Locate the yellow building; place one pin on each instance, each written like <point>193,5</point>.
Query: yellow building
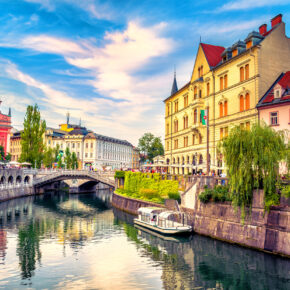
<point>135,158</point>
<point>15,146</point>
<point>228,83</point>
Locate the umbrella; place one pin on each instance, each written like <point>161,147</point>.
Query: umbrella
<point>25,163</point>
<point>14,163</point>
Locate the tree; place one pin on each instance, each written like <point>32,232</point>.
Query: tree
<point>252,157</point>
<point>48,157</point>
<point>68,158</point>
<point>4,157</point>
<point>74,161</point>
<point>32,137</point>
<point>150,146</point>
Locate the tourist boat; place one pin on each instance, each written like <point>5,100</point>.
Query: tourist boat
<point>160,220</point>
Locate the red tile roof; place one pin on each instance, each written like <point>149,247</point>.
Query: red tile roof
<point>284,82</point>
<point>212,53</point>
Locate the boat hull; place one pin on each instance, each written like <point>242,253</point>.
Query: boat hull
<point>164,231</point>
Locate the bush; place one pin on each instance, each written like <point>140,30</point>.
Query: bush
<point>174,195</point>
<point>218,194</point>
<point>119,174</point>
<point>205,196</point>
<point>149,193</point>
<point>285,190</point>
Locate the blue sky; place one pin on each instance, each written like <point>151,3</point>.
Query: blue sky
<point>110,63</point>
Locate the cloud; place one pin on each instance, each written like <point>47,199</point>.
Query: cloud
<point>250,4</point>
<point>45,4</point>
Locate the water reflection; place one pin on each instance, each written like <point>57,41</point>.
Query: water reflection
<point>82,242</point>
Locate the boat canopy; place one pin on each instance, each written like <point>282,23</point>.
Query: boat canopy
<point>150,210</point>
<point>166,214</point>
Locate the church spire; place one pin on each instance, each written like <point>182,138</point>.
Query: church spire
<point>174,85</point>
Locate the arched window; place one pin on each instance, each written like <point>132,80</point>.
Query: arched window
<point>200,94</point>
<point>207,89</point>
<point>195,116</point>
<point>185,122</point>
<point>225,108</point>
<point>173,160</point>
<point>195,92</point>
<point>193,160</point>
<point>187,159</point>
<point>242,103</point>
<point>177,160</point>
<point>200,159</point>
<point>221,83</point>
<point>200,139</point>
<point>247,73</point>
<point>225,81</point>
<point>242,75</point>
<point>247,101</point>
<point>221,110</point>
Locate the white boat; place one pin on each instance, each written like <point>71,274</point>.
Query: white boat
<point>160,220</point>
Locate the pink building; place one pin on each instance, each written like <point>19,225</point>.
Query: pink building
<point>5,130</point>
<point>274,106</point>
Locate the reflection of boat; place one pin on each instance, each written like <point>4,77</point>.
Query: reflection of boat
<point>159,220</point>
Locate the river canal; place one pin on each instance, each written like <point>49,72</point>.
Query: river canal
<point>64,241</point>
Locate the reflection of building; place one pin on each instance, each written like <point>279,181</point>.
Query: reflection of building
<point>3,245</point>
<point>5,128</point>
<point>228,82</point>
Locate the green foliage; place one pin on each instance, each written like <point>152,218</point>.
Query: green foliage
<point>285,190</point>
<point>150,146</point>
<point>48,157</point>
<point>149,193</point>
<point>119,174</point>
<point>68,159</point>
<point>218,194</point>
<point>136,182</point>
<point>74,161</point>
<point>2,155</point>
<point>174,195</point>
<point>32,137</point>
<point>252,157</point>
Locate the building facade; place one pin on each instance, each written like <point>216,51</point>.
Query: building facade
<point>135,158</point>
<point>5,130</point>
<point>225,86</point>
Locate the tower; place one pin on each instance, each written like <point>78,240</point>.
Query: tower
<point>67,117</point>
<point>174,85</point>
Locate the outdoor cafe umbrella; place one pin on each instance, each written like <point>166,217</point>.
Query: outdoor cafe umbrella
<point>14,163</point>
<point>25,163</point>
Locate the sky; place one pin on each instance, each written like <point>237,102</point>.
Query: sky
<point>111,63</point>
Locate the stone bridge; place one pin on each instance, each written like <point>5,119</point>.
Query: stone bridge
<point>14,177</point>
<point>63,175</point>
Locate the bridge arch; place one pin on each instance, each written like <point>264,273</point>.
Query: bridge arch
<point>26,179</point>
<point>10,179</point>
<point>2,180</point>
<point>18,179</point>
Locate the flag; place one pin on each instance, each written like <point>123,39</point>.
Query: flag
<point>203,117</point>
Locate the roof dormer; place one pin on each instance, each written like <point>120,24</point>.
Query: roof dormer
<point>238,48</point>
<point>253,38</point>
<point>227,54</point>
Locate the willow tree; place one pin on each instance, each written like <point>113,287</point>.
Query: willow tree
<point>32,142</point>
<point>252,157</point>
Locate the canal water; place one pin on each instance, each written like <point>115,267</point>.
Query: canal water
<point>64,241</point>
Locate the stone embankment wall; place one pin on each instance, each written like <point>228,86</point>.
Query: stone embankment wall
<point>267,231</point>
<point>130,205</point>
<point>11,193</point>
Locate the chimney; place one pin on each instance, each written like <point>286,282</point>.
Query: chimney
<point>276,20</point>
<point>263,29</point>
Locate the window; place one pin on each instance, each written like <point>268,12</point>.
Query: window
<point>87,145</point>
<point>168,109</point>
<point>241,103</point>
<point>185,122</point>
<point>247,101</point>
<point>185,140</point>
<point>195,116</point>
<point>221,133</point>
<point>176,144</point>
<point>247,73</point>
<point>207,89</point>
<point>195,93</point>
<point>242,125</point>
<point>167,129</point>
<point>193,139</point>
<point>274,118</point>
<point>235,52</point>
<point>248,125</point>
<point>176,106</point>
<point>185,100</point>
<point>242,74</point>
<point>225,81</point>
<point>277,94</point>
<point>225,108</point>
<point>201,71</point>
<point>92,145</point>
<point>91,155</point>
<point>86,155</point>
<point>249,44</point>
<point>221,83</point>
<point>200,139</point>
<point>176,126</point>
<point>167,145</point>
<point>200,94</point>
<point>221,110</point>
<point>226,132</point>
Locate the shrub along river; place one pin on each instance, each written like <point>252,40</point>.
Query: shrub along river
<point>67,241</point>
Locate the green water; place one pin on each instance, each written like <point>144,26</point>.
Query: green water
<point>61,241</point>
